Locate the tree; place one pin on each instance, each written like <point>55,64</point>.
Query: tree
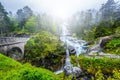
<point>46,22</point>
<point>23,15</point>
<point>5,24</point>
<point>27,12</point>
<point>81,22</point>
<point>108,10</point>
<point>31,25</point>
<point>20,18</point>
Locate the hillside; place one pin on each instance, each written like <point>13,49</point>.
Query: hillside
<point>13,70</point>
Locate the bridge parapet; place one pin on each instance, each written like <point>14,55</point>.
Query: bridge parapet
<point>4,40</point>
<point>21,39</point>
<point>8,40</point>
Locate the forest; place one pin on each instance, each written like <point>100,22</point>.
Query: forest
<point>86,46</point>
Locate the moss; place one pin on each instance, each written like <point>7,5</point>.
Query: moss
<point>8,63</point>
<point>12,70</point>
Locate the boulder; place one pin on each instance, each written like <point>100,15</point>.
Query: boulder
<point>70,70</point>
<point>98,48</point>
<point>77,71</point>
<point>72,51</point>
<point>95,48</point>
<point>103,40</point>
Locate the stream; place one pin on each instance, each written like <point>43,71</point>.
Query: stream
<point>73,46</point>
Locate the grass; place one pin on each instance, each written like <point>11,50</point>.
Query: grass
<point>13,70</point>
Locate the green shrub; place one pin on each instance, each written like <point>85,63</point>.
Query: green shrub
<point>42,45</point>
<point>92,65</point>
<point>99,67</point>
<point>104,28</point>
<point>103,31</point>
<point>28,72</point>
<point>113,46</point>
<point>117,31</point>
<point>99,75</point>
<point>116,74</point>
<point>44,49</point>
<point>12,70</point>
<point>89,35</point>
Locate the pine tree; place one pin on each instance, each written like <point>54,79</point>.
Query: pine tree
<point>4,21</point>
<point>23,15</point>
<point>108,10</point>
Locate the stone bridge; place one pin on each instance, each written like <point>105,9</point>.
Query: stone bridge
<point>13,46</point>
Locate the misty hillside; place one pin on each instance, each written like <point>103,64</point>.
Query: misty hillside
<point>60,40</point>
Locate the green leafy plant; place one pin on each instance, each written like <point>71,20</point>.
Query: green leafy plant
<point>113,46</point>
<point>12,70</point>
<point>44,48</point>
<point>92,65</point>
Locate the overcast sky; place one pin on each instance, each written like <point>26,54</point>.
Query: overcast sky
<point>58,7</point>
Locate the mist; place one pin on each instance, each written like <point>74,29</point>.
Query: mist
<point>58,8</point>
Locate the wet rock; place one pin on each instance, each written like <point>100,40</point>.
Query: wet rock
<point>87,43</point>
<point>94,49</point>
<point>70,70</point>
<point>72,51</point>
<point>93,53</point>
<point>97,49</point>
<point>86,78</point>
<point>101,53</point>
<point>77,71</point>
<point>104,40</point>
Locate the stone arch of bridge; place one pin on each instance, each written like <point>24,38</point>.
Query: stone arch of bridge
<point>15,53</point>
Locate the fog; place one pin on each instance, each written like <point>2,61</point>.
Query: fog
<point>60,8</point>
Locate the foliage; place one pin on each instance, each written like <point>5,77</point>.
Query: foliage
<point>109,10</point>
<point>7,63</point>
<point>117,31</point>
<point>99,75</point>
<point>43,48</point>
<point>63,77</point>
<point>46,22</point>
<point>30,25</point>
<point>5,24</point>
<point>113,46</point>
<point>92,24</point>
<point>104,29</point>
<point>12,70</point>
<point>23,15</point>
<point>42,44</point>
<point>116,74</point>
<point>92,65</point>
<point>99,67</point>
<point>27,22</point>
<point>89,35</point>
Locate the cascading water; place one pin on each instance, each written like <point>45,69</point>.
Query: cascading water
<point>67,62</point>
<point>76,46</point>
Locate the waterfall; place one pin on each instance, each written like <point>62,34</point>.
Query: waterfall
<point>67,62</point>
<point>77,46</point>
